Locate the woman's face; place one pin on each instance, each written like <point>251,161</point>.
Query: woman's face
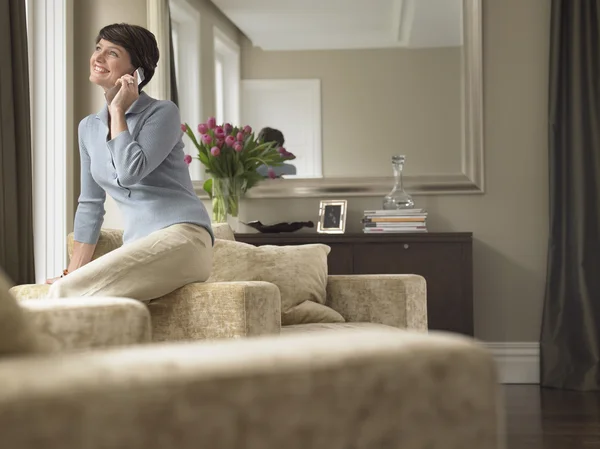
<point>108,63</point>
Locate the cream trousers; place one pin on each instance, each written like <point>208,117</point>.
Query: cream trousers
<point>145,269</point>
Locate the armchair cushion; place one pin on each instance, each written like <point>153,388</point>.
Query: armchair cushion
<point>320,327</point>
<point>17,335</point>
<point>300,273</point>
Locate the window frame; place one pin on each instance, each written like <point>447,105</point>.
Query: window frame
<point>187,20</point>
<point>229,54</point>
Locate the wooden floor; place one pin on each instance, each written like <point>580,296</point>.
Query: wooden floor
<point>551,419</point>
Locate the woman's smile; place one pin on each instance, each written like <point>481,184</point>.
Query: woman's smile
<point>99,69</point>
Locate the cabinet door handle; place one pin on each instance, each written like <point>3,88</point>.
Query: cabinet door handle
<point>406,246</point>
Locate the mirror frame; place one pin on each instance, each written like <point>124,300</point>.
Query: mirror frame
<point>470,180</point>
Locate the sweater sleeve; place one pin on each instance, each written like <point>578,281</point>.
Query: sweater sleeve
<point>136,159</point>
<point>90,210</point>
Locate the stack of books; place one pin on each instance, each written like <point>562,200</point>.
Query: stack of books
<point>394,221</point>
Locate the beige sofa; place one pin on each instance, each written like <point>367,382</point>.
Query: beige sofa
<point>324,390</point>
<point>252,308</point>
<point>361,389</point>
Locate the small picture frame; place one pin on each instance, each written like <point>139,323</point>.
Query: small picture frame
<point>332,217</point>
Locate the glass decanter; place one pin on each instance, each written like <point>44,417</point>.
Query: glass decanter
<point>398,198</point>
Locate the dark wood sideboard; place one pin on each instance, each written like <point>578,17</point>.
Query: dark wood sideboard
<point>444,259</point>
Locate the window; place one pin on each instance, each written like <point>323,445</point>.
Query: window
<point>292,106</point>
<point>185,32</point>
<point>175,36</point>
<point>227,78</point>
<point>219,89</point>
<point>50,40</point>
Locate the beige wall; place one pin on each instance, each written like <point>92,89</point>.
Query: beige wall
<point>377,103</point>
<point>89,17</point>
<point>509,222</point>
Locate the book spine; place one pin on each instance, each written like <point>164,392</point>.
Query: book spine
<point>394,220</point>
<point>395,212</point>
<point>393,231</point>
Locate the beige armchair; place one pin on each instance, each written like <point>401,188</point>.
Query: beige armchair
<point>252,308</point>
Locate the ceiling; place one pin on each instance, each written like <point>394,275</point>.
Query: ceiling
<point>346,24</point>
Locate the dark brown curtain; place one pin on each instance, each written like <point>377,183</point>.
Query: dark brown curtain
<point>570,336</point>
<point>16,212</point>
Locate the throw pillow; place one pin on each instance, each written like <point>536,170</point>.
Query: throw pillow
<point>300,273</point>
<point>109,240</point>
<point>16,334</point>
<point>222,231</point>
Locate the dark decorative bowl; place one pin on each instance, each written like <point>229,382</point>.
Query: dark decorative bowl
<point>280,227</point>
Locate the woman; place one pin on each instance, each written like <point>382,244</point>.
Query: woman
<point>268,134</point>
<point>132,149</point>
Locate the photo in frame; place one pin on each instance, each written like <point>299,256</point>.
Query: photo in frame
<point>332,217</point>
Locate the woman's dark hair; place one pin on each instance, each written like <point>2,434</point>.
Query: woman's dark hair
<point>271,135</point>
<point>139,43</point>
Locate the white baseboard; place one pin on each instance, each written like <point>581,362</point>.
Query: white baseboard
<point>518,362</point>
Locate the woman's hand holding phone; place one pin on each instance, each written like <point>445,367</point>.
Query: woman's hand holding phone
<point>127,93</point>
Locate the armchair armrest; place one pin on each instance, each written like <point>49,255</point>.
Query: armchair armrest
<point>73,323</point>
<point>398,300</point>
<point>217,310</point>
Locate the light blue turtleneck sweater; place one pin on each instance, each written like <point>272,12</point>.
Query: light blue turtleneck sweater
<point>142,169</point>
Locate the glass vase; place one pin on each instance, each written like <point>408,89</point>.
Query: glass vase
<point>398,198</point>
<point>226,196</point>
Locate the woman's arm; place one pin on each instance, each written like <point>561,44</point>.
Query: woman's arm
<point>134,159</point>
<point>82,254</point>
<point>90,211</point>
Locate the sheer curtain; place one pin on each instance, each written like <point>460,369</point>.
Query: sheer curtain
<point>172,71</point>
<point>164,84</point>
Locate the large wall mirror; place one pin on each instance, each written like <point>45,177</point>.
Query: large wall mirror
<point>352,83</point>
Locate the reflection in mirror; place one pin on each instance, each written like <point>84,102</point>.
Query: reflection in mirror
<point>390,82</point>
<point>350,84</point>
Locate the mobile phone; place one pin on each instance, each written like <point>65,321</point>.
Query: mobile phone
<point>111,93</point>
<point>140,75</point>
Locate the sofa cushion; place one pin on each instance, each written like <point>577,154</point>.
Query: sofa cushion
<point>320,327</point>
<point>299,271</point>
<point>17,335</point>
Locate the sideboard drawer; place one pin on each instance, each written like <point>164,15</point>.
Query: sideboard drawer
<point>341,259</point>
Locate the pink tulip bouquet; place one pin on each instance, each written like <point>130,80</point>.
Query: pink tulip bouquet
<point>232,156</point>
